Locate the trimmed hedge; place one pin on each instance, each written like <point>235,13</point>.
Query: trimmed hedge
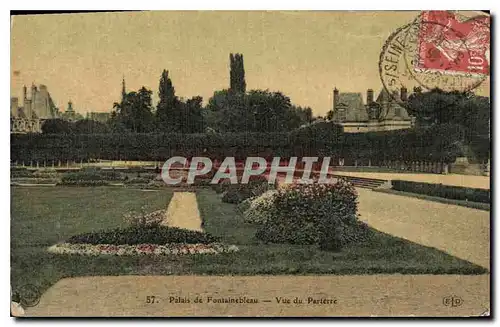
<point>144,235</point>
<point>431,144</point>
<point>443,191</point>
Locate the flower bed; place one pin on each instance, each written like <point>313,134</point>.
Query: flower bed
<point>141,249</point>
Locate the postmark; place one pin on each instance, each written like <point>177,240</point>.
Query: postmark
<point>29,295</point>
<point>436,50</point>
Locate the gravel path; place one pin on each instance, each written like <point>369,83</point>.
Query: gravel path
<point>459,231</point>
<point>182,212</point>
<point>451,179</point>
<point>373,295</point>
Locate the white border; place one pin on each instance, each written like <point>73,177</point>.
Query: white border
<point>195,5</point>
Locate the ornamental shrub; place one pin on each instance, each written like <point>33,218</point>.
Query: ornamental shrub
<point>237,193</point>
<point>144,235</point>
<point>92,175</point>
<point>323,214</point>
<point>261,208</point>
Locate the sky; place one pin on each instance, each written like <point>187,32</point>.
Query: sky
<point>83,57</point>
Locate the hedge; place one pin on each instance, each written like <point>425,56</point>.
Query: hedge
<point>144,235</point>
<point>431,144</point>
<point>443,191</point>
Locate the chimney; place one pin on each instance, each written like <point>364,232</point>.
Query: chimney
<point>24,93</point>
<point>369,96</point>
<point>335,98</point>
<point>404,94</point>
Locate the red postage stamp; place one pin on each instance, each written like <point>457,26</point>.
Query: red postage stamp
<point>452,44</point>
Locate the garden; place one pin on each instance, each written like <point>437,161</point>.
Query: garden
<point>248,229</point>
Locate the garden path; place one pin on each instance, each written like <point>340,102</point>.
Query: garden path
<point>369,295</point>
<point>183,212</point>
<point>460,231</point>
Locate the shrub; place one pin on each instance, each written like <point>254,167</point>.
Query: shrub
<point>323,214</point>
<point>237,193</point>
<point>443,191</point>
<point>84,183</point>
<point>46,173</point>
<point>222,186</point>
<point>92,175</point>
<point>18,173</point>
<point>259,209</point>
<point>144,235</point>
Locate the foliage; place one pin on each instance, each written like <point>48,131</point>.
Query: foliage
<point>440,107</point>
<point>16,173</point>
<point>89,126</point>
<point>443,191</point>
<point>84,182</point>
<point>92,175</point>
<point>143,235</point>
<point>237,73</point>
<point>134,112</point>
<point>237,193</point>
<point>437,143</point>
<point>259,209</point>
<point>57,126</point>
<point>324,214</point>
<point>255,111</point>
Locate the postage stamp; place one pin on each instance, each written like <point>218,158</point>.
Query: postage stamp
<point>438,50</point>
<point>453,45</point>
<point>250,164</point>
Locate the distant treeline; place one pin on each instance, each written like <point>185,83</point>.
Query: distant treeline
<point>438,143</point>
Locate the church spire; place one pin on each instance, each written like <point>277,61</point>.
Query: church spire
<point>124,92</point>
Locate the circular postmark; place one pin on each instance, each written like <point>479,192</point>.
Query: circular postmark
<point>29,295</point>
<point>440,51</point>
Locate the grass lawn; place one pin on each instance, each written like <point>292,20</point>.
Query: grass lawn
<point>44,216</point>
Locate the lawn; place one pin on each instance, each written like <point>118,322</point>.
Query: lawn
<point>44,216</point>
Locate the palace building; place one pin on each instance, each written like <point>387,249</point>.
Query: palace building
<point>28,115</point>
<point>383,114</point>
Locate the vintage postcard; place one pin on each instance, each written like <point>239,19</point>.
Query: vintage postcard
<point>250,164</point>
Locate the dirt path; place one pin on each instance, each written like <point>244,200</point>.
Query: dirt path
<point>182,212</point>
<point>374,295</point>
<point>459,231</point>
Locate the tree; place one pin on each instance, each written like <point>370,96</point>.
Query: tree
<point>193,121</point>
<point>255,111</point>
<point>167,109</point>
<point>57,126</point>
<point>135,111</point>
<point>237,73</point>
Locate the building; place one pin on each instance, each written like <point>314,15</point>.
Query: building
<point>28,116</point>
<point>70,114</point>
<point>383,114</point>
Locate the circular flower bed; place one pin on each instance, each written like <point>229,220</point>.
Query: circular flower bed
<point>141,249</point>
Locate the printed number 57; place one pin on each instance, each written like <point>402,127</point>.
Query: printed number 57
<point>150,299</point>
